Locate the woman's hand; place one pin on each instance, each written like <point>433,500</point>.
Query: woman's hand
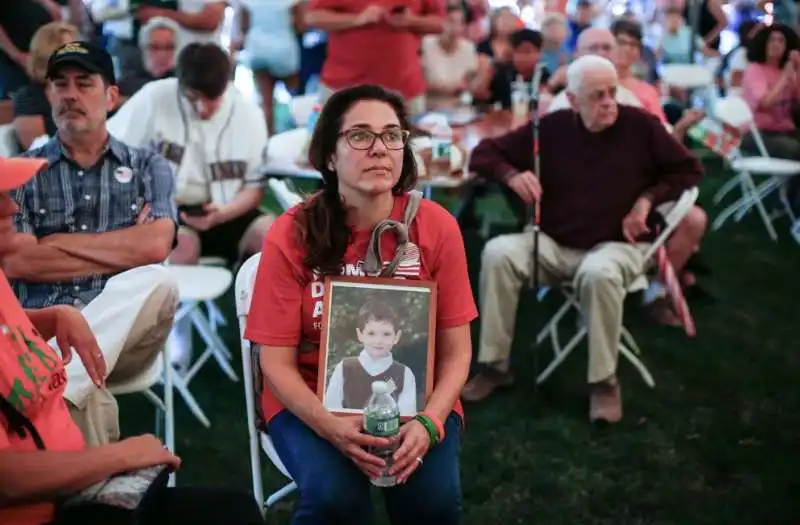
<point>145,451</point>
<point>414,444</point>
<point>73,332</point>
<point>346,434</point>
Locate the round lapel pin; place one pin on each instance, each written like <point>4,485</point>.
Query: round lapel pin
<point>123,175</point>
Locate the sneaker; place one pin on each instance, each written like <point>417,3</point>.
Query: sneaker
<point>606,402</point>
<point>482,385</point>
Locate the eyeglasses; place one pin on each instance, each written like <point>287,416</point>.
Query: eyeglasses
<point>161,47</point>
<point>629,42</point>
<point>597,48</point>
<point>363,139</point>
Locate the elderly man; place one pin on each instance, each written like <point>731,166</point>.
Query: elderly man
<point>594,211</point>
<point>158,41</point>
<point>95,227</point>
<point>686,238</point>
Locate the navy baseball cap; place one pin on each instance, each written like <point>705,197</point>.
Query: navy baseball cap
<point>86,55</point>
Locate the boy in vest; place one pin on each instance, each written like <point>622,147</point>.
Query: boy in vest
<point>350,385</point>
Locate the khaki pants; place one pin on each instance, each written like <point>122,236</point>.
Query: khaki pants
<point>131,319</point>
<point>600,277</point>
<point>415,107</point>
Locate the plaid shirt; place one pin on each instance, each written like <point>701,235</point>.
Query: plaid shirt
<point>66,198</point>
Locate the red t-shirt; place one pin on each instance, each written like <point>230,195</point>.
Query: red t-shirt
<point>376,53</point>
<point>287,299</point>
<point>32,379</point>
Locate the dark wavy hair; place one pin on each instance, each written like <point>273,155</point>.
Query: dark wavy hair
<point>322,220</point>
<point>757,46</point>
<point>204,68</point>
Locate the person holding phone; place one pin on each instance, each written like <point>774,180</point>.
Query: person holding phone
<point>354,26</point>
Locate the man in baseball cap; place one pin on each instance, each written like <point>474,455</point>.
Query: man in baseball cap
<point>84,55</point>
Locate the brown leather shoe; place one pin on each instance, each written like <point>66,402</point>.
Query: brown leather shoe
<point>606,402</point>
<point>484,383</point>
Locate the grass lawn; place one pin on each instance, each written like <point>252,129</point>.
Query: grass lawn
<point>716,442</point>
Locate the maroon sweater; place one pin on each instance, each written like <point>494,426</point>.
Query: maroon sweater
<point>590,181</point>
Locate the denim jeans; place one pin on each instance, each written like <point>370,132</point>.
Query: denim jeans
<point>334,491</point>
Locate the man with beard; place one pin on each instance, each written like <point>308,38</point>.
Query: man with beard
<point>94,228</point>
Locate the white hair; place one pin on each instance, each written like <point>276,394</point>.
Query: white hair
<point>157,22</point>
<point>577,70</point>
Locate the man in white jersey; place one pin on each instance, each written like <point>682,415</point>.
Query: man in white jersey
<point>216,142</point>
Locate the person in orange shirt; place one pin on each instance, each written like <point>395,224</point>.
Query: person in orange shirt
<point>43,455</point>
<point>360,146</point>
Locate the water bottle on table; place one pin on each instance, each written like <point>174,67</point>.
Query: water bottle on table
<point>382,419</point>
<point>441,145</point>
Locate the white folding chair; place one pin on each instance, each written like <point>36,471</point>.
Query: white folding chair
<point>627,346</point>
<point>257,439</point>
<point>286,196</point>
<point>159,372</point>
<point>197,285</point>
<point>735,112</point>
<point>215,316</point>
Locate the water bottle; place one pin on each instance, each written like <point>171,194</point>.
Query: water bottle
<point>382,419</point>
<point>520,103</point>
<point>313,118</point>
<point>441,144</point>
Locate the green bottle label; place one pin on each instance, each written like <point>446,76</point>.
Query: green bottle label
<point>382,427</point>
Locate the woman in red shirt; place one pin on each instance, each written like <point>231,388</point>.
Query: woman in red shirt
<point>361,148</point>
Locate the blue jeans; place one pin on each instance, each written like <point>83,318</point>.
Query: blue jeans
<point>334,491</point>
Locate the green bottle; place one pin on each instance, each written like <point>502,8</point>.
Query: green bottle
<point>382,419</point>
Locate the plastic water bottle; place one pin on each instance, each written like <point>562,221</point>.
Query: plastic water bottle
<point>382,419</point>
<point>520,103</point>
<point>313,118</point>
<point>441,145</point>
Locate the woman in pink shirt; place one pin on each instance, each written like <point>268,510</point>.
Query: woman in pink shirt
<point>771,89</point>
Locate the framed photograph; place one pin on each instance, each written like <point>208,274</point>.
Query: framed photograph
<point>376,330</point>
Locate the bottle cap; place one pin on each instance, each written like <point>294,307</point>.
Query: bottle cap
<point>380,387</point>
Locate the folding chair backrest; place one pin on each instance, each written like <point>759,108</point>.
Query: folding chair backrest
<point>734,112</point>
<point>245,278</point>
<point>673,218</point>
<point>283,194</point>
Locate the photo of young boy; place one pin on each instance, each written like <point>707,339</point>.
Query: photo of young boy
<point>350,385</point>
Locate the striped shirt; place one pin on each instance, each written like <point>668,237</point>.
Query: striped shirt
<point>67,198</point>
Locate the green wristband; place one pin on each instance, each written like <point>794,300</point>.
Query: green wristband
<point>426,422</point>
